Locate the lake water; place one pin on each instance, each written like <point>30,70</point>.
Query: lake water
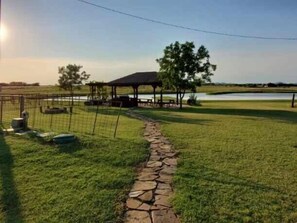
<point>228,97</point>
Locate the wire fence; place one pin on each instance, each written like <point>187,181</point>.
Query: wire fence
<point>61,114</point>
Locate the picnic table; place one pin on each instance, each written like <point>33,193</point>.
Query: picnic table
<point>147,101</point>
<point>168,103</point>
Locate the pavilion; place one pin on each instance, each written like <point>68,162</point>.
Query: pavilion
<point>133,80</point>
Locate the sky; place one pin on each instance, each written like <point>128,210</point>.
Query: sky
<point>45,34</point>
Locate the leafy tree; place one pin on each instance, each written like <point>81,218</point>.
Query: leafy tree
<point>181,68</point>
<point>71,78</point>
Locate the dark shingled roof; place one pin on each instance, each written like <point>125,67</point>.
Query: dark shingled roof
<point>138,78</point>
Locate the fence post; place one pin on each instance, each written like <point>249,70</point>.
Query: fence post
<point>94,126</point>
<point>34,113</point>
<point>70,119</point>
<point>116,127</point>
<point>293,101</point>
<point>1,109</point>
<point>22,105</point>
<point>51,122</point>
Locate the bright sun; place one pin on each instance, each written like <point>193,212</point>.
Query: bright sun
<point>3,32</point>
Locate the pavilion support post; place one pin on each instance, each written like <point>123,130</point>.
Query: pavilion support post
<point>133,91</point>
<point>115,92</point>
<point>136,100</point>
<point>177,97</point>
<point>136,92</point>
<point>111,92</point>
<point>97,92</point>
<point>154,89</point>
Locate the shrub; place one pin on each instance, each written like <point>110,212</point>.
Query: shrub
<point>193,100</point>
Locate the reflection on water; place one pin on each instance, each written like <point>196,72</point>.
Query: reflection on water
<point>219,97</point>
<point>230,97</point>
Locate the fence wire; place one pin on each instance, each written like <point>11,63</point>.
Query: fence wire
<point>61,114</point>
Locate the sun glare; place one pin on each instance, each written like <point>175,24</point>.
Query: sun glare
<point>3,32</point>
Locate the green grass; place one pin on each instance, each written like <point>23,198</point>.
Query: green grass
<point>237,162</point>
<point>44,89</point>
<point>238,89</point>
<point>81,120</point>
<point>83,182</point>
<point>50,89</point>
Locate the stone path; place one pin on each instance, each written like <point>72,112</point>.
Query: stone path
<point>149,198</point>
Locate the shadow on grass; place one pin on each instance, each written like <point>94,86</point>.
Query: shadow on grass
<point>168,116</point>
<point>280,115</point>
<point>10,198</point>
<point>70,147</point>
<point>102,110</point>
<point>221,177</point>
<point>108,152</point>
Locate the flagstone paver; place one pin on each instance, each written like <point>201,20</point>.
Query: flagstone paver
<point>149,198</point>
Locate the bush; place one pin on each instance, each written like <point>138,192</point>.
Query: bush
<point>193,100</point>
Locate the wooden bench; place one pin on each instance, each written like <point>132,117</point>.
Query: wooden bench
<point>169,103</point>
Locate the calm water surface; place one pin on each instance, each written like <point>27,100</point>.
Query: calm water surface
<point>229,97</point>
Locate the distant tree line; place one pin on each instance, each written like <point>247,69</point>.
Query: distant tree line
<point>19,83</point>
<point>254,85</point>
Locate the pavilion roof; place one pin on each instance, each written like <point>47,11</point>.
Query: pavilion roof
<point>136,79</point>
<point>96,83</point>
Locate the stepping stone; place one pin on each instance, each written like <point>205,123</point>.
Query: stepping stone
<point>162,200</point>
<point>144,185</point>
<point>155,158</point>
<point>166,192</point>
<point>154,146</point>
<point>159,135</point>
<point>166,147</point>
<point>165,141</point>
<point>156,141</point>
<point>171,155</point>
<point>169,170</point>
<point>164,151</point>
<point>162,216</point>
<point>147,196</point>
<point>154,164</point>
<point>153,169</point>
<point>137,217</point>
<point>136,193</point>
<point>147,176</point>
<point>158,207</point>
<point>154,153</point>
<point>163,186</point>
<point>170,161</point>
<point>149,170</point>
<point>165,178</point>
<point>133,203</point>
<point>144,207</point>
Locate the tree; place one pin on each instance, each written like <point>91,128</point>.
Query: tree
<point>71,78</point>
<point>182,69</point>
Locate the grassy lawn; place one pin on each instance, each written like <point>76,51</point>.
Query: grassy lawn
<point>237,162</point>
<point>50,89</point>
<point>81,120</point>
<point>43,89</point>
<point>83,182</point>
<point>239,89</point>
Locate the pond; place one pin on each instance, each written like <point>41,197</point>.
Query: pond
<point>228,97</point>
